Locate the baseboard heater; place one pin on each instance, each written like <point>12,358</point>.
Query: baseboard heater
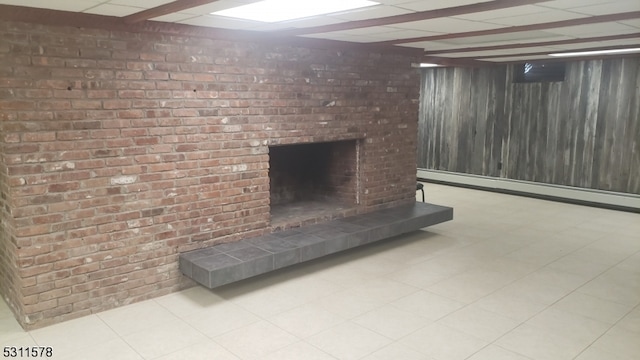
<point>605,199</point>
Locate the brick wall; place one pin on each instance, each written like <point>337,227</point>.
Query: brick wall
<point>120,150</point>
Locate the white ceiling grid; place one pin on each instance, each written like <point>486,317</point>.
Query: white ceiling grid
<point>537,13</point>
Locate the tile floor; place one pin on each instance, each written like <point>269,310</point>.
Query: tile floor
<point>509,278</point>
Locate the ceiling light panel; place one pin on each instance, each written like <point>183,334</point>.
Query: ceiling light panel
<point>283,10</point>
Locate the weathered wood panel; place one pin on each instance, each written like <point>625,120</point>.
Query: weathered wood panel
<point>583,132</point>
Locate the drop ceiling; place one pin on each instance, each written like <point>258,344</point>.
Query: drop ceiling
<point>449,31</point>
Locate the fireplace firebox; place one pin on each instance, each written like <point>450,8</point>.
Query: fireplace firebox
<point>312,182</point>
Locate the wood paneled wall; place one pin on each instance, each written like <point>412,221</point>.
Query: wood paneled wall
<point>582,132</point>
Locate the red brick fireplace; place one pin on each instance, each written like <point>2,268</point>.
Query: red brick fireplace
<point>122,149</point>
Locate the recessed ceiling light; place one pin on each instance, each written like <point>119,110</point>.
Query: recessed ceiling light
<point>283,10</point>
<point>597,52</point>
<point>428,65</point>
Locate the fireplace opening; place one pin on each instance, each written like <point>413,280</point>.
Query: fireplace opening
<point>312,182</point>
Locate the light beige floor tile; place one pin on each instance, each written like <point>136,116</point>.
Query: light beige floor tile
<point>540,344</point>
<point>482,324</point>
<point>542,252</point>
<point>10,329</point>
<point>307,288</point>
<point>493,352</point>
<point>74,335</point>
<point>397,351</point>
<point>136,317</point>
<point>417,276</point>
<point>391,322</point>
<point>631,321</point>
<point>204,350</point>
<point>306,320</point>
<point>534,290</point>
<point>613,289</point>
<point>579,329</point>
<point>269,301</point>
<point>383,290</point>
<point>592,307</point>
<point>620,342</point>
<point>5,311</point>
<point>428,305</point>
<point>468,286</point>
<point>163,339</point>
<point>558,278</point>
<point>255,341</point>
<point>574,264</point>
<point>570,272</point>
<point>608,251</point>
<point>109,350</point>
<point>592,353</point>
<point>190,301</point>
<point>220,319</point>
<point>365,297</point>
<point>630,264</point>
<point>298,351</point>
<point>349,341</point>
<point>346,304</point>
<point>23,340</point>
<point>442,342</point>
<point>510,304</point>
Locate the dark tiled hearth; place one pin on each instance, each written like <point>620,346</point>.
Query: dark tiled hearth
<point>226,263</point>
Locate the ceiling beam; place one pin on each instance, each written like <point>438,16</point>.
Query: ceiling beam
<point>534,44</point>
<point>165,9</point>
<point>512,29</point>
<point>416,16</point>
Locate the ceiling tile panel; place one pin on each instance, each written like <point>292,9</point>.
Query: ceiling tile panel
<point>567,4</point>
<point>422,5</point>
<point>635,23</point>
<point>502,13</point>
<point>371,13</point>
<point>113,10</point>
<point>609,8</point>
<point>64,5</point>
<point>501,19</point>
<point>540,17</point>
<point>446,25</point>
<point>499,39</point>
<point>220,22</point>
<point>592,30</point>
<point>147,4</point>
